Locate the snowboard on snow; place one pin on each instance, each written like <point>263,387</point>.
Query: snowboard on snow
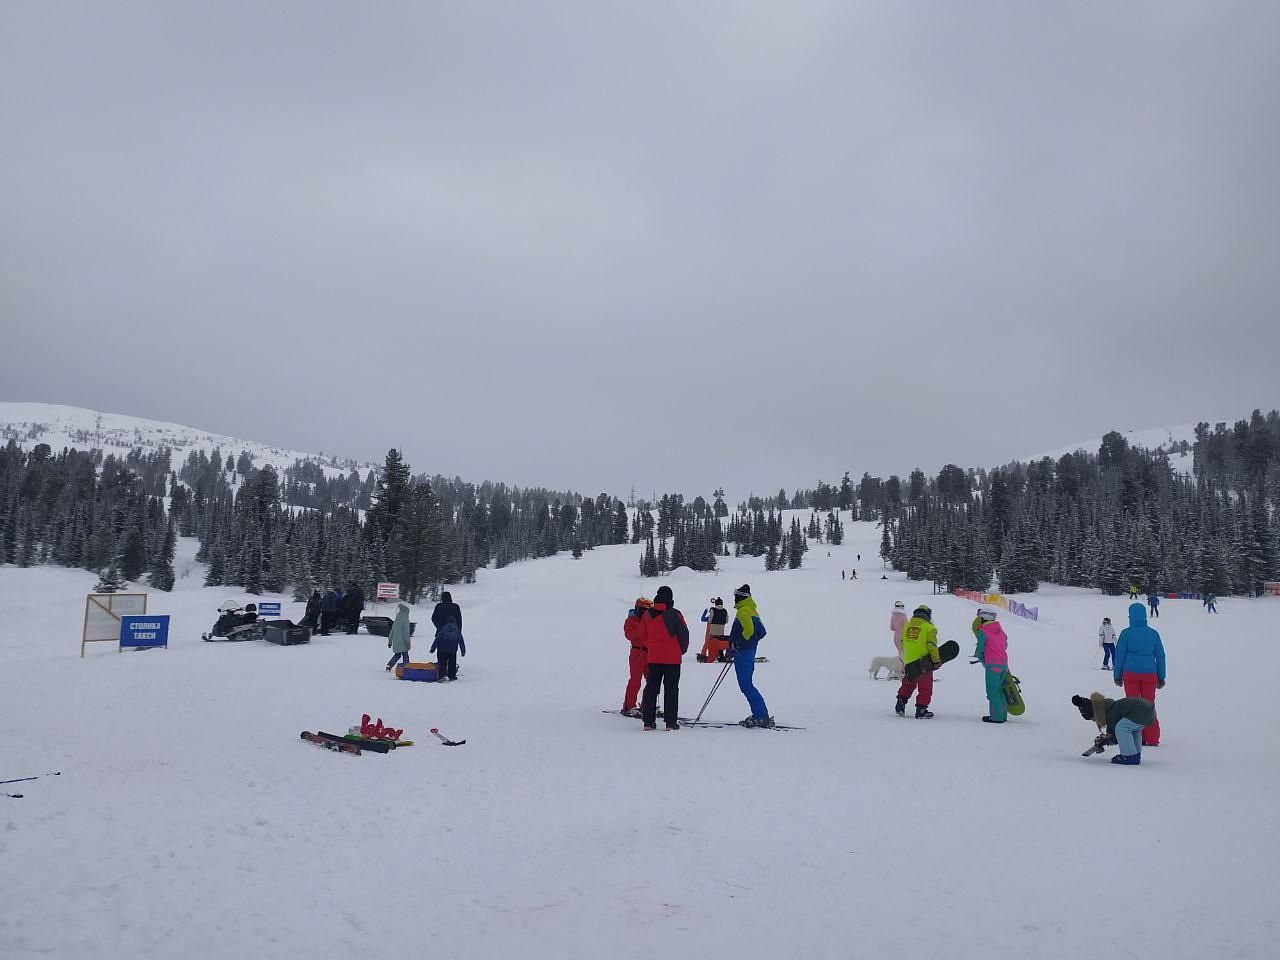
<point>341,746</point>
<point>1012,688</point>
<point>946,653</point>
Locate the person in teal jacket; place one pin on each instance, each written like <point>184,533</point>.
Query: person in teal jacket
<point>1138,665</point>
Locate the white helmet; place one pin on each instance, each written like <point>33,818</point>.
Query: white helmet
<point>986,613</point>
<point>899,605</point>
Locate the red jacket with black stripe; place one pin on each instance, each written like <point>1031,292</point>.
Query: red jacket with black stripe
<point>665,633</point>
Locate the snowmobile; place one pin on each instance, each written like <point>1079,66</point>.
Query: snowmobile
<point>236,623</point>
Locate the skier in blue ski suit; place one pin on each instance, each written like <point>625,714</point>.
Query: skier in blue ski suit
<point>746,633</point>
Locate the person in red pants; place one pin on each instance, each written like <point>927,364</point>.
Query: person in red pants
<point>1138,666</point>
<point>919,640</point>
<point>639,657</point>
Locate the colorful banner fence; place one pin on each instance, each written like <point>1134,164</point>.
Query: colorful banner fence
<point>1001,601</point>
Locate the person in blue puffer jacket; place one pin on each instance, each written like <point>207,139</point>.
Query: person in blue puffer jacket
<point>1138,665</point>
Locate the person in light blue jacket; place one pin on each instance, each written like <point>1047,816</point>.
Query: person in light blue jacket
<point>1138,665</point>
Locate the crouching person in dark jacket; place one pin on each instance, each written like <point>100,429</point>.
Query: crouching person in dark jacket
<point>666,637</point>
<point>447,644</point>
<point>1120,721</point>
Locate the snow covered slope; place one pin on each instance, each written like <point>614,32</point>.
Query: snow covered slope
<point>190,821</point>
<point>63,426</point>
<point>1155,438</point>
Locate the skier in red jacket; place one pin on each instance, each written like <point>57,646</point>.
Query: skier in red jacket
<point>666,638</point>
<point>639,657</point>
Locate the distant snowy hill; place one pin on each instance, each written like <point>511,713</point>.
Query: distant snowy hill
<point>1168,439</point>
<point>64,426</point>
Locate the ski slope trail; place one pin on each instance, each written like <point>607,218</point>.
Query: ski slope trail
<point>190,820</point>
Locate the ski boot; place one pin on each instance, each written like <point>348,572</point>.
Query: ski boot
<point>634,712</point>
<point>1128,761</point>
<point>900,708</point>
<point>672,727</point>
<point>923,713</point>
<point>700,658</point>
<point>989,720</point>
<point>649,726</point>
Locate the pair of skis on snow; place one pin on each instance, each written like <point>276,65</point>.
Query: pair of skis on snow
<point>356,745</point>
<point>711,724</point>
<point>18,796</point>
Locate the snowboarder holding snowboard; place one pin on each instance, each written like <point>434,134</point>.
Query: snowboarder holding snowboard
<point>919,640</point>
<point>638,659</point>
<point>1138,666</point>
<point>744,637</point>
<point>993,653</point>
<point>399,639</point>
<point>1121,722</point>
<point>666,638</point>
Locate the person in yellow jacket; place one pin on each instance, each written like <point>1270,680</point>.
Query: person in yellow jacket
<point>919,639</point>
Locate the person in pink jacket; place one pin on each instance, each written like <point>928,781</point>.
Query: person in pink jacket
<point>898,620</point>
<point>993,653</point>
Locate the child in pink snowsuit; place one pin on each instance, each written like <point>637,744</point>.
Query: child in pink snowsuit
<point>993,653</point>
<point>898,620</point>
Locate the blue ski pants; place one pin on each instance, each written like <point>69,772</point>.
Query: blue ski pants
<point>995,691</point>
<point>1129,736</point>
<point>744,665</point>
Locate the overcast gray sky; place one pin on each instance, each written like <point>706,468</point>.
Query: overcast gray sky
<point>674,245</point>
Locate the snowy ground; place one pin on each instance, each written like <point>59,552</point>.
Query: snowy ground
<point>190,821</point>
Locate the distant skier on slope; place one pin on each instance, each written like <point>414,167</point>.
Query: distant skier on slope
<point>1211,603</point>
<point>744,638</point>
<point>637,659</point>
<point>1153,604</point>
<point>666,637</point>
<point>1107,641</point>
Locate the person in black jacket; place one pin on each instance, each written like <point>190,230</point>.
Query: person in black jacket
<point>329,607</point>
<point>445,611</point>
<point>352,607</point>
<point>312,617</point>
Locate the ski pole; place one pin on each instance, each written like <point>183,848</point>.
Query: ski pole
<point>714,687</point>
<point>55,773</point>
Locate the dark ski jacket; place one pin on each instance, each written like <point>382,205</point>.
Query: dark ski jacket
<point>353,602</point>
<point>445,611</point>
<point>449,639</point>
<point>313,609</point>
<point>330,602</point>
<point>1107,713</point>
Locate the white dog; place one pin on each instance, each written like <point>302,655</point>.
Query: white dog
<point>892,664</point>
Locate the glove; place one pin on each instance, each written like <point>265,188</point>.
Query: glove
<point>1159,684</point>
<point>1119,683</point>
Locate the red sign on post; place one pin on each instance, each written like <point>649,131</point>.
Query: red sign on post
<point>388,591</point>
